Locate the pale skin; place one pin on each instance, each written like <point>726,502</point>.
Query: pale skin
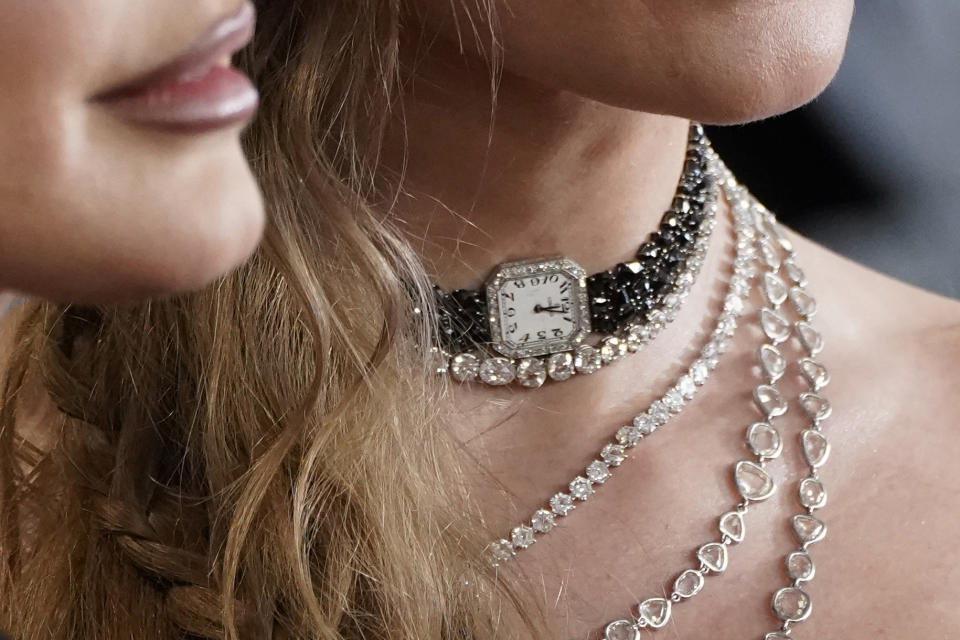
<point>566,173</point>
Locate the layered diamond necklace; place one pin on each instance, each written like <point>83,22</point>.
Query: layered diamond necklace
<point>764,259</point>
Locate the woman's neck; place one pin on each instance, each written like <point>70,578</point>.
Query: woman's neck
<point>543,173</point>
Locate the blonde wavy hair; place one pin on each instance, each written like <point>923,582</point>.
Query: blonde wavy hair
<point>265,458</point>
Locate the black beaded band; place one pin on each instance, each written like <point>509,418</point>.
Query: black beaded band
<point>620,295</point>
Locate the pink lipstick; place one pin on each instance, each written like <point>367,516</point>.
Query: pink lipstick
<point>196,92</point>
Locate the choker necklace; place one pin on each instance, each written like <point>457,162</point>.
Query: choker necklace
<point>760,246</point>
<point>536,314</point>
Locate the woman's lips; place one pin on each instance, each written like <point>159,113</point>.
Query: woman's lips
<point>198,91</point>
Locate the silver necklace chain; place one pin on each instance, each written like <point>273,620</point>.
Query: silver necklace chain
<point>758,240</point>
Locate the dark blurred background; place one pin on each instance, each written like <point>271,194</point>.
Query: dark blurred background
<point>871,169</point>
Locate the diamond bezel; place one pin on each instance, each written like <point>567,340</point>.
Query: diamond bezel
<point>581,306</point>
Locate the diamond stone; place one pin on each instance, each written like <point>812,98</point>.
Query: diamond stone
<point>560,366</point>
<point>581,488</point>
<point>543,521</point>
<point>810,338</point>
<point>808,529</point>
<point>752,481</point>
<point>795,273</point>
<point>659,414</point>
<point>812,493</point>
<point>673,400</point>
<point>772,362</point>
<point>732,526</point>
<point>562,504</point>
<point>531,372</point>
<point>803,302</point>
<point>816,448</point>
<point>612,349</point>
<point>613,454</point>
<point>687,387</point>
<point>621,630</point>
<point>499,552</point>
<point>522,537</point>
<point>800,566</point>
<point>713,555</point>
<point>791,604</point>
<point>815,373</point>
<point>688,584</point>
<point>655,612</point>
<point>637,336</point>
<point>699,372</point>
<point>497,371</point>
<point>768,254</point>
<point>774,288</point>
<point>764,440</point>
<point>587,359</point>
<point>645,424</point>
<point>816,406</point>
<point>629,435</point>
<point>464,367</point>
<point>598,471</point>
<point>733,304</point>
<point>770,401</point>
<point>774,325</point>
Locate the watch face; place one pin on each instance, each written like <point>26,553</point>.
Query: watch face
<point>538,307</point>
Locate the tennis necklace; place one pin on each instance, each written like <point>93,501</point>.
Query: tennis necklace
<point>765,258</point>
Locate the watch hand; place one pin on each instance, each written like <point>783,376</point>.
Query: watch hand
<point>552,309</point>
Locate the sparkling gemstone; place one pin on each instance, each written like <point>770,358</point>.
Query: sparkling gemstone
<point>464,367</point>
<point>645,424</point>
<point>497,371</point>
<point>810,338</point>
<point>768,254</point>
<point>613,454</point>
<point>637,336</point>
<point>499,552</point>
<point>800,566</point>
<point>816,448</point>
<point>598,471</point>
<point>655,612</point>
<point>795,273</point>
<point>658,412</point>
<point>772,362</point>
<point>531,372</point>
<point>522,537</point>
<point>543,520</point>
<point>764,440</point>
<point>815,373</point>
<point>816,406</point>
<point>612,349</point>
<point>687,387</point>
<point>562,504</point>
<point>657,318</point>
<point>688,584</point>
<point>587,359</point>
<point>808,529</point>
<point>713,555</point>
<point>733,304</point>
<point>673,400</point>
<point>621,630</point>
<point>581,488</point>
<point>752,481</point>
<point>803,302</point>
<point>560,366</point>
<point>629,435</point>
<point>732,526</point>
<point>812,493</point>
<point>774,288</point>
<point>791,604</point>
<point>774,325</point>
<point>770,401</point>
<point>699,372</point>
